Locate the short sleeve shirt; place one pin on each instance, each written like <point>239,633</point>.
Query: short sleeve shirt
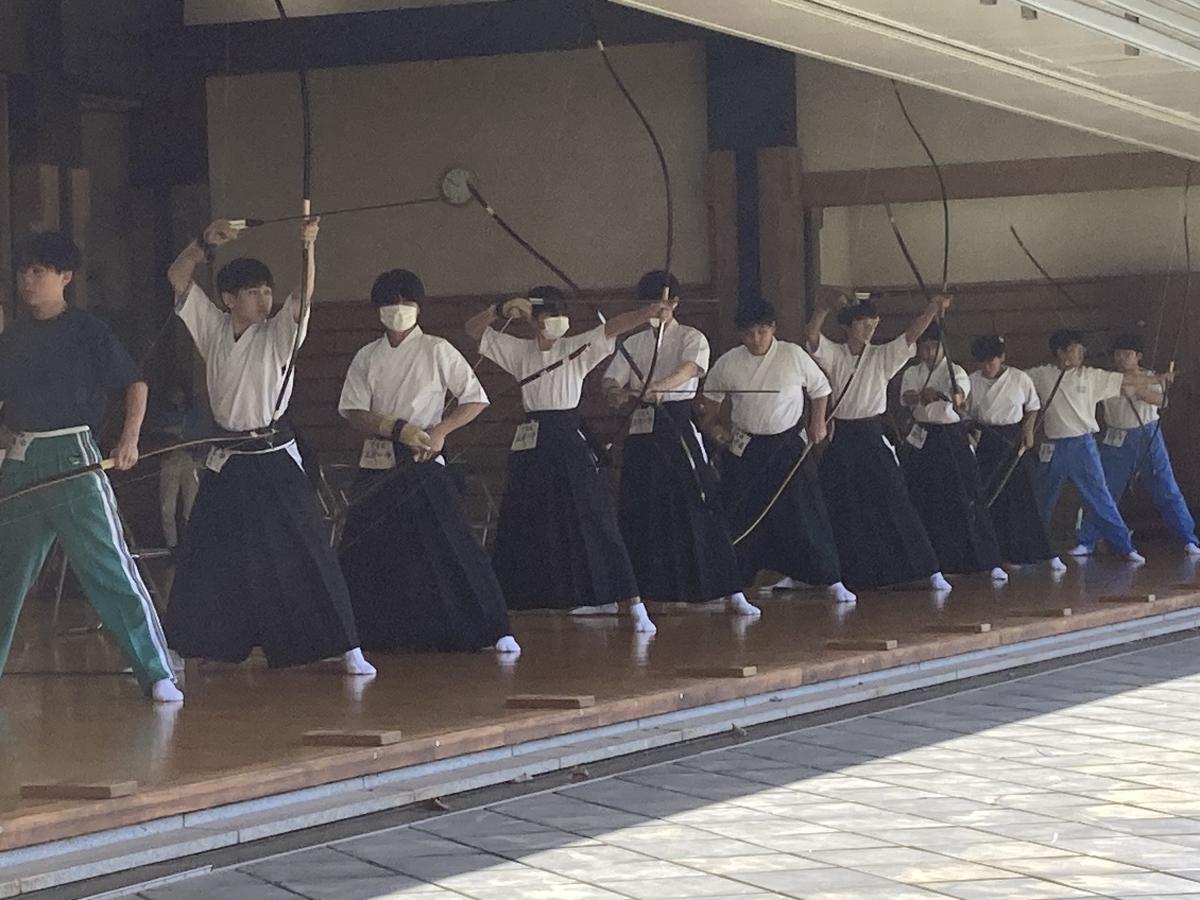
<point>867,376</point>
<point>1072,412</point>
<point>1004,400</point>
<point>61,372</point>
<point>783,374</point>
<point>559,388</point>
<point>680,344</point>
<point>939,412</point>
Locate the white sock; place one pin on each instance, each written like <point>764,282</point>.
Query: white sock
<point>165,691</point>
<point>740,606</point>
<point>508,644</point>
<point>641,619</point>
<point>1134,557</point>
<point>1080,550</point>
<point>354,664</point>
<point>1192,549</point>
<point>1057,565</point>
<point>938,582</point>
<point>841,593</point>
<point>999,575</point>
<point>604,609</point>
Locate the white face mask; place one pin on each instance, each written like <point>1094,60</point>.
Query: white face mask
<point>555,327</point>
<point>656,323</point>
<point>399,317</point>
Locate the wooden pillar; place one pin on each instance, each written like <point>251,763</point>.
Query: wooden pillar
<point>6,230</point>
<point>722,232</point>
<point>36,204</point>
<point>76,214</point>
<point>781,237</point>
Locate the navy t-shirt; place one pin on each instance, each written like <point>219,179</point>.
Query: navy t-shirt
<point>61,372</point>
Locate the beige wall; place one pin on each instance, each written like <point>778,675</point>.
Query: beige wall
<point>557,151</point>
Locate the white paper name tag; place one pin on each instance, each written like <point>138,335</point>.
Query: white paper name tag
<point>526,436</point>
<point>917,436</point>
<point>1114,437</point>
<point>16,452</point>
<point>642,421</point>
<point>377,453</point>
<point>216,459</point>
<point>1046,452</point>
<point>740,441</point>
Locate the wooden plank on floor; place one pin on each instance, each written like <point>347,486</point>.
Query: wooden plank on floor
<point>1128,598</point>
<point>550,701</point>
<point>717,671</point>
<point>1049,612</point>
<point>861,644</point>
<point>363,738</point>
<point>68,790</point>
<point>960,628</point>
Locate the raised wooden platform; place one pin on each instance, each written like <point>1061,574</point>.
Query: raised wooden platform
<point>67,714</point>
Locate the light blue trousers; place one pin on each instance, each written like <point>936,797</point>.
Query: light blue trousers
<point>1077,459</point>
<point>1144,450</point>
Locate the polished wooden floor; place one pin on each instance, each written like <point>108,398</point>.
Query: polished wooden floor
<point>67,712</point>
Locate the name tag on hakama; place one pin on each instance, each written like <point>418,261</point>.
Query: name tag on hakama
<point>526,436</point>
<point>377,453</point>
<point>1046,451</point>
<point>16,452</point>
<point>1114,437</point>
<point>642,421</point>
<point>216,459</point>
<point>917,436</point>
<point>741,440</point>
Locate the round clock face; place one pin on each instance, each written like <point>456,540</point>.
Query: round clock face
<point>454,186</point>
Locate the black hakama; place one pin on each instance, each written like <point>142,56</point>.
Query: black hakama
<point>879,534</point>
<point>557,541</point>
<point>943,481</point>
<point>796,537</point>
<point>255,569</point>
<point>671,515</point>
<point>1020,532</point>
<point>418,578</point>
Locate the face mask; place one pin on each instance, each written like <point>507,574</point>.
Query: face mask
<point>656,323</point>
<point>555,327</point>
<point>399,317</point>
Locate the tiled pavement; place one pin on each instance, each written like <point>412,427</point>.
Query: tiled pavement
<point>1080,782</point>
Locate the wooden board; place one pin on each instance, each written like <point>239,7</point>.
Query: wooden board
<point>1056,612</point>
<point>1128,598</point>
<point>67,790</point>
<point>550,701</point>
<point>717,671</point>
<point>861,644</point>
<point>334,738</point>
<point>961,628</point>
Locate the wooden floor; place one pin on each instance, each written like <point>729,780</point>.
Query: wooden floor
<point>68,713</point>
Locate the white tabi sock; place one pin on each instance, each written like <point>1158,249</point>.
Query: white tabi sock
<point>938,582</point>
<point>354,664</point>
<point>1080,550</point>
<point>604,609</point>
<point>508,644</point>
<point>1057,565</point>
<point>1134,557</point>
<point>165,691</point>
<point>841,594</point>
<point>740,606</point>
<point>641,619</point>
<point>999,575</point>
<point>1192,549</point>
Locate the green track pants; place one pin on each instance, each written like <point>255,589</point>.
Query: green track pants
<point>82,514</point>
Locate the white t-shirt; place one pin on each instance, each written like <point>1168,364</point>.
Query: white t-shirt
<point>557,389</point>
<point>1073,410</point>
<point>244,375</point>
<point>867,395</point>
<point>1004,400</point>
<point>680,344</point>
<point>409,381</point>
<point>939,412</point>
<point>1119,414</point>
<point>785,368</point>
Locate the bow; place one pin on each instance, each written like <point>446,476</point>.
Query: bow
<point>306,208</point>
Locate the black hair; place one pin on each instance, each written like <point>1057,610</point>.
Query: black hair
<point>754,312</point>
<point>51,249</point>
<point>651,285</point>
<point>932,333</point>
<point>1126,341</point>
<point>243,272</point>
<point>396,285</point>
<point>552,300</point>
<point>987,346</point>
<point>864,309</point>
<point>1064,338</point>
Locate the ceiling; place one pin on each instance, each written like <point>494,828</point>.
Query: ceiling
<point>210,12</point>
<point>1080,63</point>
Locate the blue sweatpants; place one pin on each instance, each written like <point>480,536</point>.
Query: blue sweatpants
<point>1143,449</point>
<point>1077,459</point>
